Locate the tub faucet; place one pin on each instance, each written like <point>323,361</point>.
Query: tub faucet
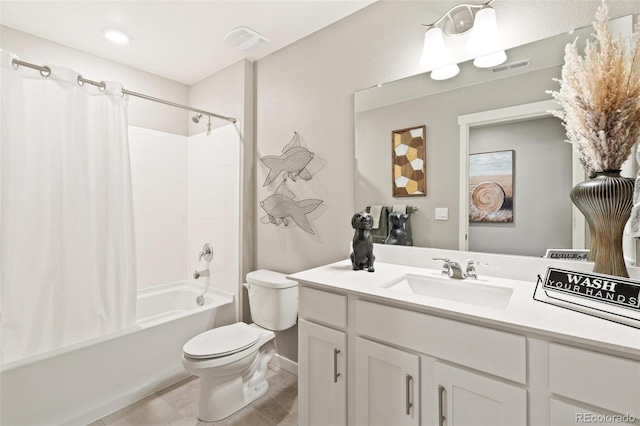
<point>198,274</point>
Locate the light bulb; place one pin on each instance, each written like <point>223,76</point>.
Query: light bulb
<point>116,36</point>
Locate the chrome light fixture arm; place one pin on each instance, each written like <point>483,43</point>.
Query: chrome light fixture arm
<point>448,13</point>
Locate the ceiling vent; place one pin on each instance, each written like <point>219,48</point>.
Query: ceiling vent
<point>512,66</point>
<point>245,38</point>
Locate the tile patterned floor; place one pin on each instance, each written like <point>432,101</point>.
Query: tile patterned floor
<point>176,406</point>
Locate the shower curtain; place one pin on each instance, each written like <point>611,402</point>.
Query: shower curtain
<point>67,254</point>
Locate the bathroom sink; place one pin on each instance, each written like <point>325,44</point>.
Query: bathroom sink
<point>463,291</point>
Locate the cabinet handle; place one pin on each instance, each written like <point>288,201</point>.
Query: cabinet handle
<point>408,394</point>
<point>441,416</point>
<point>335,365</point>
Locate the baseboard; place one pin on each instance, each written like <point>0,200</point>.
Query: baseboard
<point>285,363</point>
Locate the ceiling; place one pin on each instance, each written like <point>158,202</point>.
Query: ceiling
<point>179,40</point>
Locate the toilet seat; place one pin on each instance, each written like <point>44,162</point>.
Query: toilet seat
<point>222,341</point>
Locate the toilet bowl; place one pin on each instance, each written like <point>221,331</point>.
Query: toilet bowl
<point>232,361</point>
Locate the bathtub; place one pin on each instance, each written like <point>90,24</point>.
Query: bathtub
<point>81,383</point>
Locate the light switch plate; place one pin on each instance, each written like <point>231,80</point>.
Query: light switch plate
<point>442,213</point>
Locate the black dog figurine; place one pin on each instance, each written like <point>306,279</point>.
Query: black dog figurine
<point>397,235</point>
<point>362,256</point>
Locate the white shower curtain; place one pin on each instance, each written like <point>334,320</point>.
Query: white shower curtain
<point>67,253</point>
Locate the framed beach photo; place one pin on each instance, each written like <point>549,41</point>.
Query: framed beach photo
<point>408,162</point>
<point>491,186</point>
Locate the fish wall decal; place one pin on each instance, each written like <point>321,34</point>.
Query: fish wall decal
<point>282,205</point>
<point>292,161</point>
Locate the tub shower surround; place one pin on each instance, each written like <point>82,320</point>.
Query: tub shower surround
<point>186,193</point>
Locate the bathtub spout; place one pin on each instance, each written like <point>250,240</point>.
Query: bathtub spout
<point>198,274</point>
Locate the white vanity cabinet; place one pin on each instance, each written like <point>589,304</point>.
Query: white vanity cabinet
<point>322,358</point>
<point>322,383</point>
<point>592,380</point>
<point>400,364</point>
<point>466,398</point>
<point>387,385</point>
<point>453,395</point>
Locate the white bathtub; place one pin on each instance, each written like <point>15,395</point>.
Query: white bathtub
<point>86,381</point>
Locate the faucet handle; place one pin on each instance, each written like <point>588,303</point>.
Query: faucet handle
<point>446,266</point>
<point>471,269</point>
<point>207,252</point>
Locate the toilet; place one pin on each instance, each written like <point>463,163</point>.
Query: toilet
<point>232,361</point>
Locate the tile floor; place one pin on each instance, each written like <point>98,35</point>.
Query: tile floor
<point>176,406</point>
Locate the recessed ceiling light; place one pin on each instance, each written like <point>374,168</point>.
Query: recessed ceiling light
<point>116,36</point>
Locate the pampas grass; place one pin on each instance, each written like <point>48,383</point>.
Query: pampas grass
<point>600,96</point>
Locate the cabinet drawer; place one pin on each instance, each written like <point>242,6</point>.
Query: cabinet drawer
<point>491,351</point>
<point>562,413</point>
<point>602,380</point>
<point>323,306</point>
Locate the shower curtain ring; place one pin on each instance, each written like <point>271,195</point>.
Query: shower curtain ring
<point>80,80</point>
<point>46,72</point>
<point>103,86</point>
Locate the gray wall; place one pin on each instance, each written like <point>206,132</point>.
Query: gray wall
<point>308,87</point>
<point>542,176</point>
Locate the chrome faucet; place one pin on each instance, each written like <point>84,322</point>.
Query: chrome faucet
<point>451,269</point>
<point>446,268</point>
<point>198,274</point>
<point>471,269</point>
<point>455,271</point>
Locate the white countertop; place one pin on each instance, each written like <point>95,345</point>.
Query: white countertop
<point>523,314</point>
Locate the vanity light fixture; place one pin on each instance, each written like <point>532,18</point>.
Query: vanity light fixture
<point>116,36</point>
<point>484,40</point>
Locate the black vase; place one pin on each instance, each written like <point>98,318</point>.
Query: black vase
<point>606,202</point>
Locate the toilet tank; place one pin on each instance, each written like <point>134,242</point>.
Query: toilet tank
<point>273,299</point>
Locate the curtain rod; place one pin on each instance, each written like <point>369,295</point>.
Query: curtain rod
<point>45,71</point>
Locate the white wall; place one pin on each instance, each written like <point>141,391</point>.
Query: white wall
<point>142,113</point>
<point>213,206</point>
<point>186,193</point>
<point>159,178</point>
<point>230,92</point>
<point>169,223</point>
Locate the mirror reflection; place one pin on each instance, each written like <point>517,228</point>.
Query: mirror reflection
<point>543,173</point>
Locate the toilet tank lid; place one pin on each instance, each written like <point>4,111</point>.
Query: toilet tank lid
<point>271,279</point>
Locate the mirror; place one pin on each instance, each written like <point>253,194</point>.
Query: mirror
<point>474,113</point>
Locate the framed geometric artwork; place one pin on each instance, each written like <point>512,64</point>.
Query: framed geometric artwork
<point>408,162</point>
<point>491,186</point>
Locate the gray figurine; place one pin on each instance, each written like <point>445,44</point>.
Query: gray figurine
<point>362,256</point>
<point>397,235</point>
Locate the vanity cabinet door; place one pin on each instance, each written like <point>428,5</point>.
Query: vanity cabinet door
<point>322,385</point>
<point>387,385</point>
<point>468,399</point>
